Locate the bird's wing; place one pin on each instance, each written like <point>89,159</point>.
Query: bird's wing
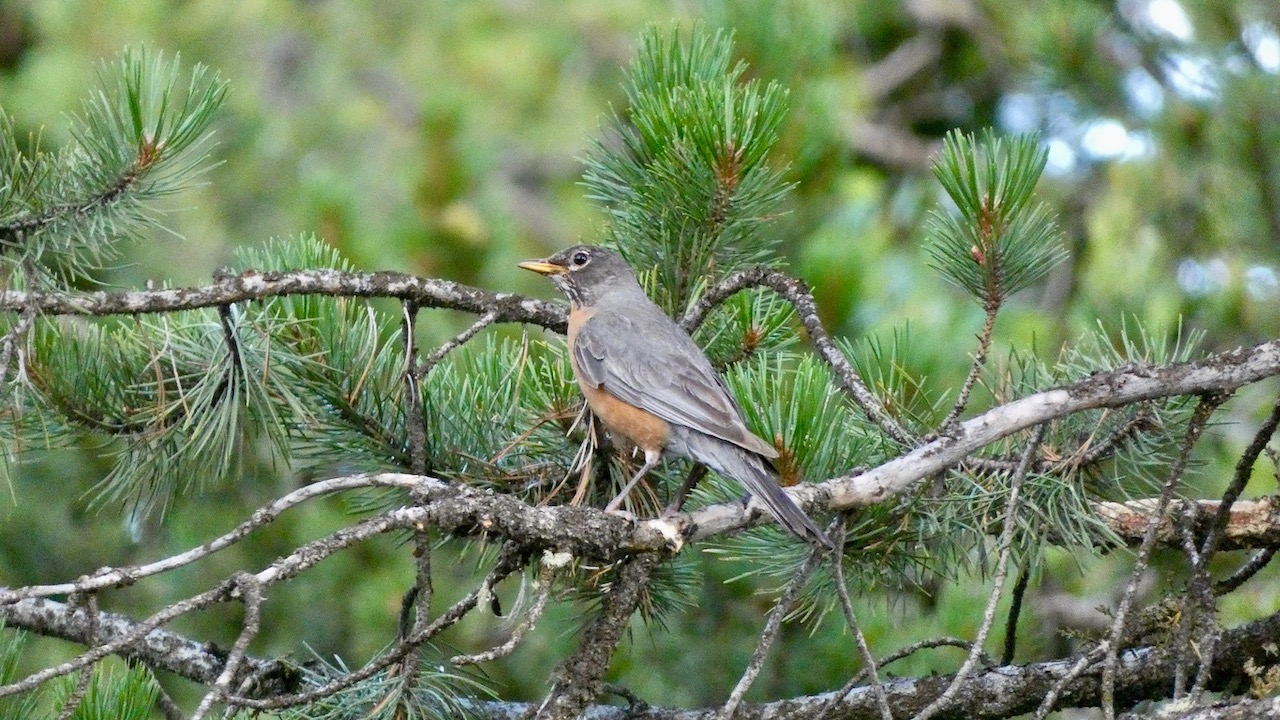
<point>661,370</point>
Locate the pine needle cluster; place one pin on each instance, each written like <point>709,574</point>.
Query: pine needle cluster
<point>998,241</point>
<point>142,135</point>
<point>684,172</point>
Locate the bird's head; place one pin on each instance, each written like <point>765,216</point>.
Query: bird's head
<point>585,272</point>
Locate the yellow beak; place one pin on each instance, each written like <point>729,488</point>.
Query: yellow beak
<point>542,267</point>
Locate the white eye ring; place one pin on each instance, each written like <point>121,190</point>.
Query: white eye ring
<point>580,258</point>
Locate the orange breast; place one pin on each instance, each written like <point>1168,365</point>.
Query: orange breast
<point>646,430</point>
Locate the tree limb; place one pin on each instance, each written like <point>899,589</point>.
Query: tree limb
<point>157,649</point>
<point>256,285</point>
<point>1144,674</point>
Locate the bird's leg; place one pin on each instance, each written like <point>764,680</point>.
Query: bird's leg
<point>651,458</point>
<point>696,473</point>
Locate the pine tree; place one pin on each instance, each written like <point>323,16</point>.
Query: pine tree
<point>478,453</point>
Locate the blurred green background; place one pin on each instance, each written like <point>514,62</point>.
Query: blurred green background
<point>441,138</point>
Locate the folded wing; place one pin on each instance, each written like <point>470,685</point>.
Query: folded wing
<point>664,373</point>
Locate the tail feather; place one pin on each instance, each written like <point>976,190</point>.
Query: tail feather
<point>755,474</point>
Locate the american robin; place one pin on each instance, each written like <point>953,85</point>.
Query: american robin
<point>646,380</point>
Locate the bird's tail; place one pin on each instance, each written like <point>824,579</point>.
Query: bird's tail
<point>760,479</point>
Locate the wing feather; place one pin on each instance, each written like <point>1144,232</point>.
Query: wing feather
<point>661,371</point>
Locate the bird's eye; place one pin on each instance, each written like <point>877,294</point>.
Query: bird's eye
<point>580,258</point>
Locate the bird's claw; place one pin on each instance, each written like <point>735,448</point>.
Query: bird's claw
<point>624,514</point>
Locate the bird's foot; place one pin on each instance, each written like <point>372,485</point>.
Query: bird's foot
<point>624,514</point>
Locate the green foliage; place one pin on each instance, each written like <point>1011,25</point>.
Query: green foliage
<point>435,692</point>
<point>497,413</point>
<point>111,695</point>
<point>885,366</point>
<point>185,405</point>
<point>13,707</point>
<point>751,322</point>
<point>683,173</point>
<point>141,136</point>
<point>343,357</point>
<point>999,243</point>
<point>793,400</point>
<point>1133,446</point>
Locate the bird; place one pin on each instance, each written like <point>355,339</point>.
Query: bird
<point>644,377</point>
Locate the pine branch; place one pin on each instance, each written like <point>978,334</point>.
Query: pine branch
<point>998,242</point>
<point>991,694</point>
<point>1252,523</point>
<point>1223,372</point>
<point>255,285</point>
<point>140,136</point>
<point>683,174</point>
<point>590,533</point>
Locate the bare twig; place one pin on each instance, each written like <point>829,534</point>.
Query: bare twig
<point>547,582</point>
<point>770,633</point>
<point>1002,568</point>
<point>579,680</point>
<point>836,698</point>
<point>1015,610</point>
<point>167,706</point>
<point>9,345</point>
<point>1242,574</point>
<point>851,618</point>
<point>120,577</point>
<point>508,562</point>
<point>229,337</point>
<point>1243,471</point>
<point>454,343</point>
<point>975,368</point>
<point>90,604</point>
<point>1201,591</point>
<point>1093,452</point>
<point>1065,680</point>
<point>797,293</point>
<point>415,419</point>
<point>250,592</point>
<point>1199,419</point>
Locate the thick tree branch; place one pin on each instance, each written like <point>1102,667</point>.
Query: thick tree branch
<point>255,285</point>
<point>158,649</point>
<point>1223,372</point>
<point>1004,692</point>
<point>1249,523</point>
<point>593,533</point>
<point>1144,674</point>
